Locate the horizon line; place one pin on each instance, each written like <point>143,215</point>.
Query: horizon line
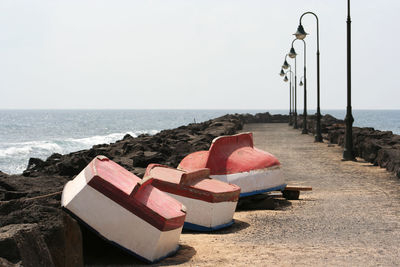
<point>179,109</point>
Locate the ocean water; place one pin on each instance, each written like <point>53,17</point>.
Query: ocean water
<point>39,133</point>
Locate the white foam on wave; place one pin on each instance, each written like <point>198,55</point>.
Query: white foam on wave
<point>107,139</point>
<point>14,156</point>
<point>25,148</point>
<point>97,139</point>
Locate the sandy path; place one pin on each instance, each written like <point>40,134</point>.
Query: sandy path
<point>351,218</point>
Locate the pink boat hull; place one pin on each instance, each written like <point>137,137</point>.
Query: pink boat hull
<point>234,159</point>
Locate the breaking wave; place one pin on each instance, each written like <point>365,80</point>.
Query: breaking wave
<point>14,156</point>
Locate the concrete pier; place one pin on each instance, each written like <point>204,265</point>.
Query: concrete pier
<point>351,218</point>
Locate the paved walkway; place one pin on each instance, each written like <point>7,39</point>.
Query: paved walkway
<point>351,218</point>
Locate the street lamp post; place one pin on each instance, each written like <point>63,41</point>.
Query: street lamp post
<point>293,52</point>
<point>282,73</point>
<point>305,130</point>
<point>286,66</point>
<point>348,153</point>
<point>301,34</point>
<point>290,89</point>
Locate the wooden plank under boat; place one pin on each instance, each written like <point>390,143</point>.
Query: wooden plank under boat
<point>210,204</point>
<point>234,159</point>
<point>133,215</point>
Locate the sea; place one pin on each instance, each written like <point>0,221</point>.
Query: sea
<point>40,133</point>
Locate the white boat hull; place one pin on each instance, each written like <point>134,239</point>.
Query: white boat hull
<point>206,216</point>
<point>117,224</point>
<point>255,181</point>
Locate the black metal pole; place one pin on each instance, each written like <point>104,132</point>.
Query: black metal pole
<point>291,93</point>
<point>305,130</point>
<point>295,85</point>
<point>285,66</point>
<point>318,135</point>
<point>295,94</point>
<point>348,153</point>
<point>291,96</point>
<point>293,119</point>
<point>290,104</point>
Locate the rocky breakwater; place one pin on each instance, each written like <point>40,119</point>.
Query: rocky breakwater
<point>263,118</point>
<point>35,231</point>
<point>381,148</point>
<point>327,121</point>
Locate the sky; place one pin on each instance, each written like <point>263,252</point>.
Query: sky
<point>192,54</point>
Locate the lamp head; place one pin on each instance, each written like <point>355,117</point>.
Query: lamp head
<point>292,53</point>
<point>300,34</point>
<point>285,65</point>
<point>285,79</point>
<point>301,83</point>
<point>282,73</point>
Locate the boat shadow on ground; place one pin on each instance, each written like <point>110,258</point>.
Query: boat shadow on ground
<point>184,254</point>
<point>98,252</point>
<point>262,202</point>
<point>236,227</point>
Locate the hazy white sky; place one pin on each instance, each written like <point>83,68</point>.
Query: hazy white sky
<point>192,54</point>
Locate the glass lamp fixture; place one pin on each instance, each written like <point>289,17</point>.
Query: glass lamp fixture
<point>285,65</point>
<point>285,79</point>
<point>282,73</point>
<point>301,83</point>
<point>292,53</point>
<point>300,34</point>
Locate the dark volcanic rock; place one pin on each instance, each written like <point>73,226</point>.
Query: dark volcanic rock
<point>43,212</point>
<point>378,147</point>
<point>32,248</point>
<point>8,246</point>
<point>327,121</point>
<point>34,162</point>
<point>263,118</point>
<point>24,242</point>
<point>36,244</point>
<point>389,158</point>
<point>6,263</point>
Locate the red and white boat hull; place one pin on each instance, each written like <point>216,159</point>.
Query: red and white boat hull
<point>255,181</point>
<point>210,204</point>
<point>207,216</point>
<point>116,223</point>
<point>234,159</point>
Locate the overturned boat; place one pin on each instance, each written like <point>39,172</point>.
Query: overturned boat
<point>125,211</point>
<point>234,159</point>
<point>210,204</point>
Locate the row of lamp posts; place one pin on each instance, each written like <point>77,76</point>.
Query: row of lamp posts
<point>300,34</point>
